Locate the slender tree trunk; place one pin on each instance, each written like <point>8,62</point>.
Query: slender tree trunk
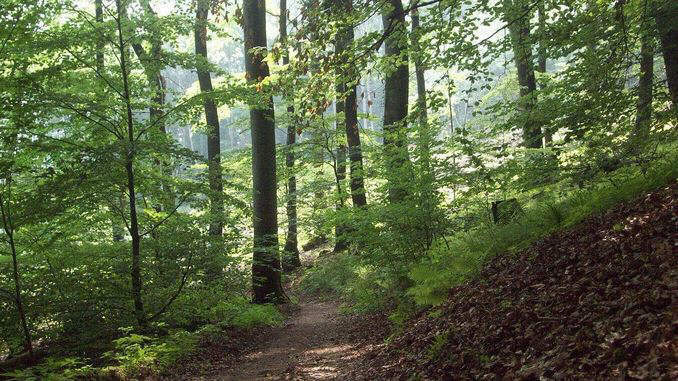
<point>541,63</point>
<point>8,227</point>
<point>152,64</point>
<point>117,228</point>
<point>666,16</point>
<point>644,106</point>
<point>265,260</point>
<point>212,119</point>
<point>350,106</point>
<point>396,90</point>
<point>517,15</point>
<point>343,39</point>
<point>424,130</point>
<point>135,272</point>
<point>355,153</point>
<point>99,18</point>
<point>291,250</point>
<point>541,15</point>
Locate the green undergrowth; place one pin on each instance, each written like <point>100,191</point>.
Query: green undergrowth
<point>457,257</point>
<point>365,286</point>
<point>136,355</point>
<point>346,276</point>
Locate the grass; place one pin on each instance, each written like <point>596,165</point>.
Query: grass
<point>460,256</point>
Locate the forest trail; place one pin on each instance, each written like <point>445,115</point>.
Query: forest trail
<point>316,342</point>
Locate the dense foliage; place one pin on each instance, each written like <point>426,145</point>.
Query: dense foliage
<point>140,199</point>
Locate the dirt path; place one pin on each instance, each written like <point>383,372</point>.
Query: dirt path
<point>316,342</point>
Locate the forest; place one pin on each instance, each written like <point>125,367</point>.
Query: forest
<point>338,189</point>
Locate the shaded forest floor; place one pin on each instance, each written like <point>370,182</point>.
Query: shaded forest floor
<point>316,342</point>
<point>597,301</point>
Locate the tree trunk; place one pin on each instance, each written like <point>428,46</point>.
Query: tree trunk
<point>212,118</point>
<point>152,64</point>
<point>8,227</point>
<point>666,16</point>
<point>395,102</point>
<point>135,272</point>
<point>350,107</point>
<point>291,250</point>
<point>517,16</point>
<point>99,18</point>
<point>424,130</point>
<point>355,154</point>
<point>343,39</point>
<point>541,62</point>
<point>644,106</point>
<point>265,260</point>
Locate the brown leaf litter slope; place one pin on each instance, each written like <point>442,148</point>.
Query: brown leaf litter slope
<point>599,301</point>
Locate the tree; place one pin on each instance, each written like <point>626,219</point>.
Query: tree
<point>99,18</point>
<point>130,151</point>
<point>517,16</point>
<point>644,106</point>
<point>152,63</point>
<point>9,229</point>
<point>212,120</point>
<point>541,59</point>
<point>291,250</point>
<point>424,131</point>
<point>342,39</point>
<point>350,107</point>
<point>396,90</point>
<point>666,16</point>
<point>266,272</point>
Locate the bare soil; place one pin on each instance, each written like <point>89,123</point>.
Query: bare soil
<point>317,342</point>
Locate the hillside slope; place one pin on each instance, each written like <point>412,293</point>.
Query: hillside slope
<point>598,301</point>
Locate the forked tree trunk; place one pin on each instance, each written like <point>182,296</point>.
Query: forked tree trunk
<point>212,119</point>
<point>266,272</point>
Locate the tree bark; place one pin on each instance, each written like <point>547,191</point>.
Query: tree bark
<point>135,272</point>
<point>212,119</point>
<point>349,105</point>
<point>424,130</point>
<point>666,16</point>
<point>541,61</point>
<point>291,258</point>
<point>396,90</point>
<point>341,44</point>
<point>8,227</point>
<point>644,106</point>
<point>266,282</point>
<point>99,18</point>
<point>152,64</point>
<point>517,16</point>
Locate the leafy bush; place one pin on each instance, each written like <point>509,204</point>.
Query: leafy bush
<point>239,312</point>
<point>138,354</point>
<point>53,369</point>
